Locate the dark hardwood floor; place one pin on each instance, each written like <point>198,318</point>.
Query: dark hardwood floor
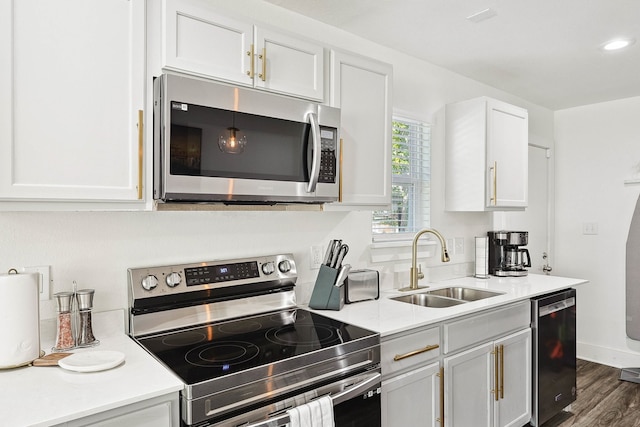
<point>603,400</point>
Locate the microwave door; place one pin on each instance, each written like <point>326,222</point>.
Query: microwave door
<point>272,165</point>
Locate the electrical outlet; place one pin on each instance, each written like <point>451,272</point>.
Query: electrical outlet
<point>44,279</point>
<point>316,257</point>
<point>590,228</point>
<point>451,247</point>
<point>458,247</point>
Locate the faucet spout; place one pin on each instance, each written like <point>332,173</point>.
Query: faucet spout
<point>416,275</point>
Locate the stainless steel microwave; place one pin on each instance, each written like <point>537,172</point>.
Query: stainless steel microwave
<point>219,143</point>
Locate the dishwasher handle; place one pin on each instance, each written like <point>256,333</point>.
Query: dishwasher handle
<point>556,306</point>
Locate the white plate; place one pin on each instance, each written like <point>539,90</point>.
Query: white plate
<point>92,361</point>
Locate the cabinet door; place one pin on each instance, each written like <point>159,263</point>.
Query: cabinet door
<point>412,399</point>
<point>71,88</point>
<point>514,407</point>
<point>199,41</point>
<point>469,387</point>
<point>361,88</point>
<point>507,155</point>
<point>289,65</point>
<point>157,412</point>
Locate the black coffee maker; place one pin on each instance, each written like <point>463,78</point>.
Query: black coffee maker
<point>506,256</point>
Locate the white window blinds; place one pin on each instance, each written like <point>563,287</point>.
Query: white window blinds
<point>411,188</point>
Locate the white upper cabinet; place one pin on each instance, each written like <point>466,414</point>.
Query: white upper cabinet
<point>199,41</point>
<point>486,156</point>
<point>361,88</point>
<point>71,93</point>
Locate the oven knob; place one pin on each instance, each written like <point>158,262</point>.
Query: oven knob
<point>268,268</point>
<point>284,266</point>
<point>173,279</point>
<point>149,282</point>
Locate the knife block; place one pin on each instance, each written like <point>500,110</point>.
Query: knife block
<point>327,296</point>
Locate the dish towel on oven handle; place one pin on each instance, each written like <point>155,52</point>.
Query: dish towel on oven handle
<point>316,413</point>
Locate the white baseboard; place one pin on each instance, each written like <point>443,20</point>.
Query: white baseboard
<point>608,356</point>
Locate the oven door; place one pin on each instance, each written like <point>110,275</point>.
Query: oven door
<point>356,403</point>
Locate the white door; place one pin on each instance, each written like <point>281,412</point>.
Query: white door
<point>198,40</point>
<point>513,408</point>
<point>71,100</point>
<point>469,387</point>
<point>412,399</point>
<point>289,65</point>
<point>361,88</point>
<point>507,134</point>
<point>537,218</point>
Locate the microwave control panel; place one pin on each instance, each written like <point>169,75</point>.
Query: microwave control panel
<point>328,159</point>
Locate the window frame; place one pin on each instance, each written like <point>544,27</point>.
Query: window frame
<point>416,203</point>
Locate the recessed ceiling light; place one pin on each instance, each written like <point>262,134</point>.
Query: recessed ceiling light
<point>617,44</point>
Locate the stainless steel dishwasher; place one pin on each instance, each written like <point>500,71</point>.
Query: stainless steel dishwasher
<point>554,354</point>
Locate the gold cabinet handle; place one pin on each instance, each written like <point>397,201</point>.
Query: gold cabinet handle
<point>340,171</point>
<point>415,352</point>
<point>494,186</point>
<point>496,374</point>
<point>441,375</point>
<point>251,73</point>
<point>140,150</point>
<point>501,352</point>
<point>263,57</point>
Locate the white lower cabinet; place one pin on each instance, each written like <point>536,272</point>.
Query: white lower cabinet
<point>161,411</point>
<point>490,384</point>
<point>411,379</point>
<point>412,399</point>
<point>469,371</point>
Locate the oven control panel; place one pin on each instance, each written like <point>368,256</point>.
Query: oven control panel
<point>173,279</point>
<point>203,275</point>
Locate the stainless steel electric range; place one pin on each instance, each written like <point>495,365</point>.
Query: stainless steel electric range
<point>231,330</point>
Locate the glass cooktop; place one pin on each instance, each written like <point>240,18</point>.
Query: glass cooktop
<point>216,350</point>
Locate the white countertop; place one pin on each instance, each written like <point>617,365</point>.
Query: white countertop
<point>45,396</point>
<point>389,317</point>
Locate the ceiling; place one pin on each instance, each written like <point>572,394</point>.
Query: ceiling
<point>545,51</point>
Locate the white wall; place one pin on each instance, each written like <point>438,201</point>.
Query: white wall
<point>598,148</point>
<point>96,248</point>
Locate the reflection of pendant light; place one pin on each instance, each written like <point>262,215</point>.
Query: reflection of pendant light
<point>235,142</point>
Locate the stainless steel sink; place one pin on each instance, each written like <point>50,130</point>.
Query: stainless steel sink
<point>426,300</point>
<point>464,294</point>
<point>446,297</point>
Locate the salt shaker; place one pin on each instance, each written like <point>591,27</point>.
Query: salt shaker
<point>64,337</point>
<point>85,304</point>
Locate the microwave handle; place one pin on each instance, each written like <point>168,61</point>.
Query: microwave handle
<point>315,161</point>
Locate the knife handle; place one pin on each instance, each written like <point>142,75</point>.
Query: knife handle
<point>342,275</point>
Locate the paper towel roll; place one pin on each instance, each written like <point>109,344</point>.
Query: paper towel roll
<point>19,319</point>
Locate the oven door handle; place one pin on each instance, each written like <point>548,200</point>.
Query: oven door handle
<point>356,388</point>
<point>315,160</point>
<point>352,391</point>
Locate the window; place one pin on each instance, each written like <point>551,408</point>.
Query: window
<point>410,182</point>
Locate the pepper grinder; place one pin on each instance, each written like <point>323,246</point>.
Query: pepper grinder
<point>64,336</point>
<point>85,304</point>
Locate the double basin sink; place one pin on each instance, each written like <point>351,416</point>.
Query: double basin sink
<point>446,297</point>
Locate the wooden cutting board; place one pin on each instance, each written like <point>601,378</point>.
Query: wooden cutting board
<point>50,359</point>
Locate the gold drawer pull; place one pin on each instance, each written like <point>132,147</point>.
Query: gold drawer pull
<point>414,352</point>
